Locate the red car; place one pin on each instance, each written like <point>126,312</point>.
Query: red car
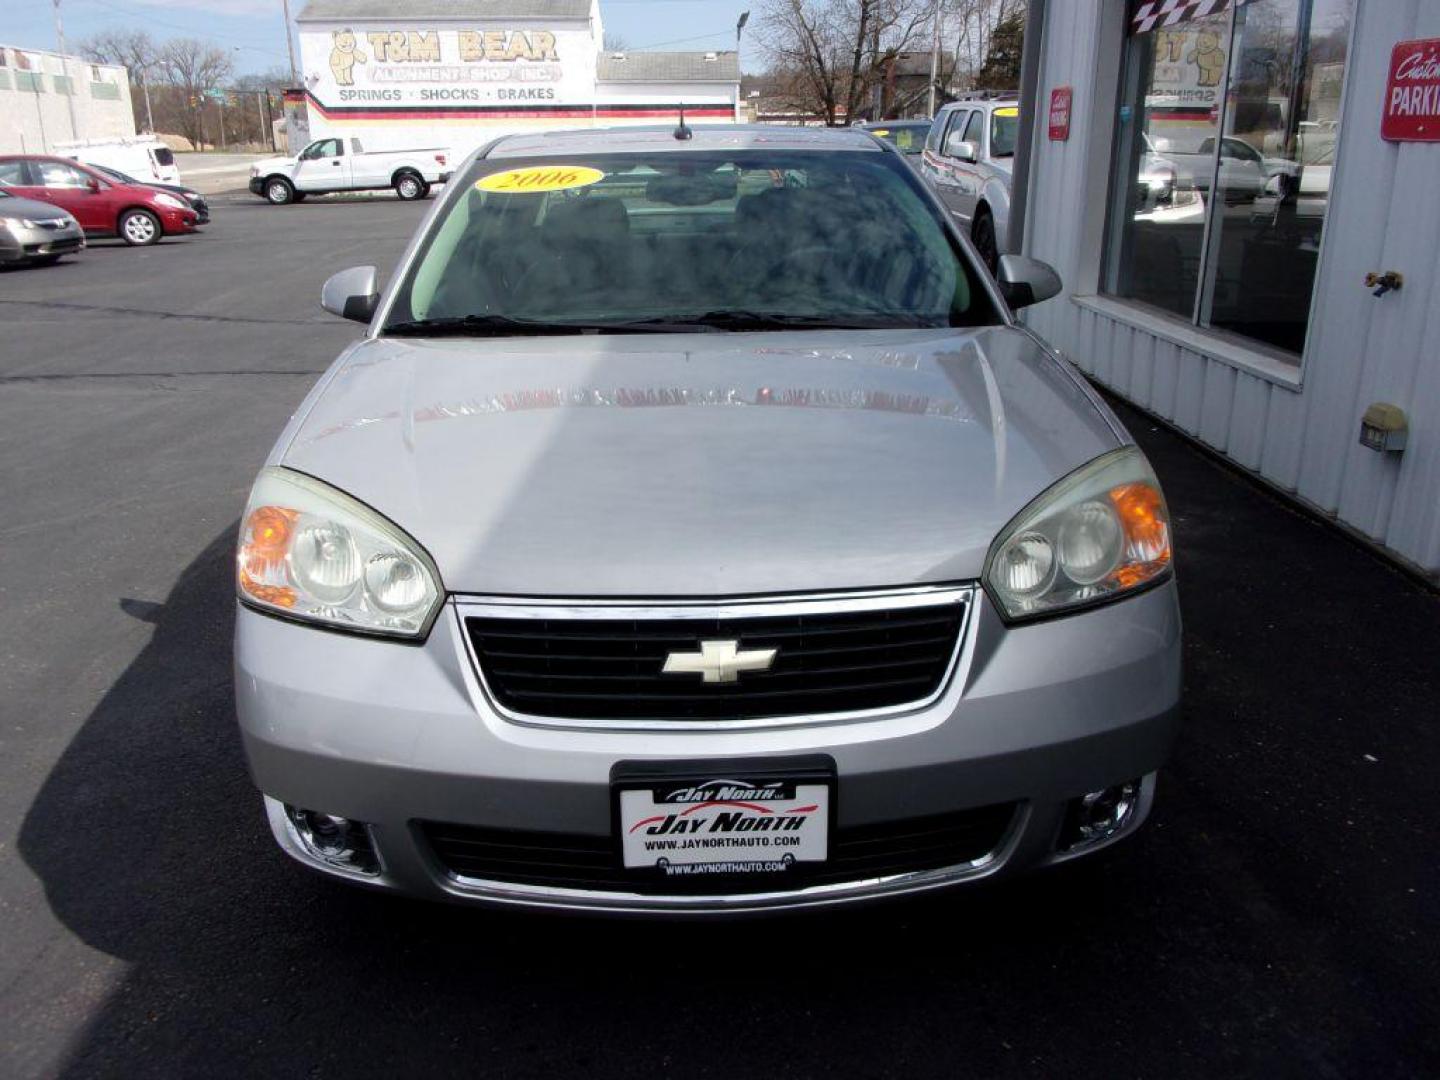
<point>136,213</point>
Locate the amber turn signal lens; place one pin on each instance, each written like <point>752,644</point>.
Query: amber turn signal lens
<point>280,595</point>
<point>267,532</point>
<point>263,545</point>
<point>1147,527</point>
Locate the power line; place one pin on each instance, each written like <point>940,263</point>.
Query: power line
<point>682,41</point>
<point>147,17</point>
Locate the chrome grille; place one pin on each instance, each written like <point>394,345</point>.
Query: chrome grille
<point>604,663</point>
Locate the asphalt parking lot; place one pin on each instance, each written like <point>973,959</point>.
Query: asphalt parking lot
<point>1278,917</point>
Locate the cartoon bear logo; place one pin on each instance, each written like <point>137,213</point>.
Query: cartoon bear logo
<point>344,56</point>
<point>1208,57</point>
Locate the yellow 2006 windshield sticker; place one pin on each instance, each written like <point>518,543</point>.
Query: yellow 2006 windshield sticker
<point>1007,112</point>
<point>540,178</point>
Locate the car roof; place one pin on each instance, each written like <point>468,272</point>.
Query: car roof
<point>984,103</point>
<point>649,139</point>
<point>46,157</point>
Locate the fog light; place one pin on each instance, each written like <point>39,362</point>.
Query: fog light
<point>1099,815</point>
<point>334,840</point>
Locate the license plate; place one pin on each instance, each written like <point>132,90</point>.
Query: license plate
<point>725,823</point>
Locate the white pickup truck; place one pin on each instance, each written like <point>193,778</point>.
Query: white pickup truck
<point>341,164</point>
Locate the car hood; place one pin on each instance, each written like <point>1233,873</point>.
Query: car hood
<point>265,165</point>
<point>33,209</point>
<point>700,464</point>
<point>175,189</point>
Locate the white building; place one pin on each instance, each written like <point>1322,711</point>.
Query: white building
<point>37,89</point>
<point>458,73</point>
<point>1227,294</point>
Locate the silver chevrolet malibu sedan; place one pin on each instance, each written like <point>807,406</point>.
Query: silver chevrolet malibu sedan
<point>695,530</point>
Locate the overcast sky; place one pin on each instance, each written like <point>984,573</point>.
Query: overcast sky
<point>254,28</point>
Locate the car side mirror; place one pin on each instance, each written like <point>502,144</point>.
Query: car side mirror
<point>93,185</point>
<point>1025,281</point>
<point>352,294</point>
<point>1164,146</point>
<point>965,151</point>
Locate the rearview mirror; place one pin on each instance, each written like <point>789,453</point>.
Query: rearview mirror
<point>1025,281</point>
<point>965,151</point>
<point>352,294</point>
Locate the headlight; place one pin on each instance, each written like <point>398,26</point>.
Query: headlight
<point>313,553</point>
<point>13,223</point>
<point>166,199</point>
<point>1097,534</point>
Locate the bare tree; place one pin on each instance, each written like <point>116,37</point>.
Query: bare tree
<point>192,68</point>
<point>830,57</point>
<point>136,51</point>
<point>616,42</point>
<point>275,79</point>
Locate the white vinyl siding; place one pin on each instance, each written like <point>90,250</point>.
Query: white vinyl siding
<point>1299,430</point>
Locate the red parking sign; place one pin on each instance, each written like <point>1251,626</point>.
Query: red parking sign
<point>1412,96</point>
<point>1060,99</point>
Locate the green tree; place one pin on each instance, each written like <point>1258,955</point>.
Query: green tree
<point>1001,70</point>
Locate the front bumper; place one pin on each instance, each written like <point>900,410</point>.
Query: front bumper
<point>178,222</point>
<point>257,185</point>
<point>38,243</point>
<point>394,735</point>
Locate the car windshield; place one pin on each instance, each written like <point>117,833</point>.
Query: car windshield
<point>692,240</point>
<point>116,174</point>
<point>1004,129</point>
<point>907,138</point>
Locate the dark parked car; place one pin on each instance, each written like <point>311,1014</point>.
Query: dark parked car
<point>137,213</point>
<point>907,136</point>
<point>194,198</point>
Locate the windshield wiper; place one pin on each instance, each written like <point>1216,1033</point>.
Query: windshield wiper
<point>509,326</point>
<point>731,319</point>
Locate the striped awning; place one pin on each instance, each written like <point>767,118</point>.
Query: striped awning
<point>1160,14</point>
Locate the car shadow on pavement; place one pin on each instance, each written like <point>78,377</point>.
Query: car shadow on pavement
<point>1211,941</point>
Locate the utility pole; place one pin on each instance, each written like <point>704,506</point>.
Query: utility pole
<point>934,60</point>
<point>877,93</point>
<point>739,28</point>
<point>65,67</point>
<point>145,89</point>
<point>289,44</point>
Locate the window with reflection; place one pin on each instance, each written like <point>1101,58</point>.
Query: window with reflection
<point>1225,142</point>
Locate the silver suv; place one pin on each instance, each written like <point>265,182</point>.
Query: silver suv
<point>969,157</point>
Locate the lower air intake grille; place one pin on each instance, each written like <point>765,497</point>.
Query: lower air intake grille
<point>830,659</point>
<point>857,853</point>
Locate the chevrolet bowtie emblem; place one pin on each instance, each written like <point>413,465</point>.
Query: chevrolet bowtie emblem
<point>719,661</point>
